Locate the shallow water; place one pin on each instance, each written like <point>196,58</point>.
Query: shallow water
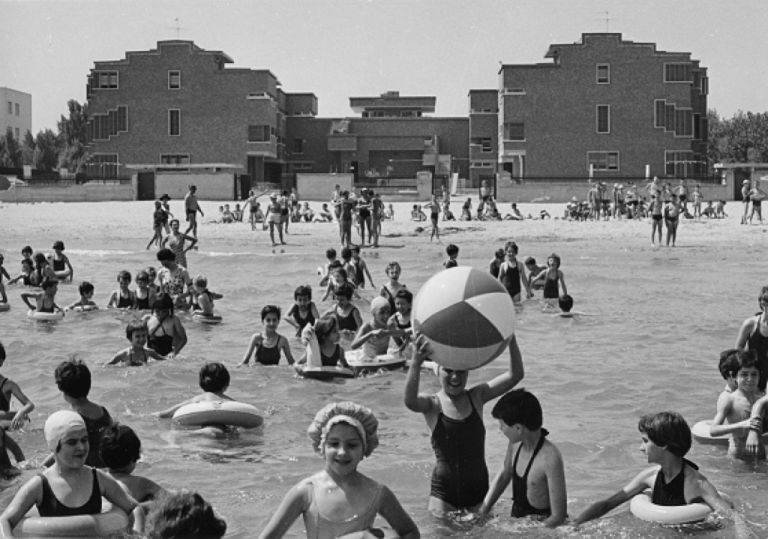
<point>661,317</point>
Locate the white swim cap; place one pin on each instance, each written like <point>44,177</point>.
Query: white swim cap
<point>379,302</point>
<point>59,424</point>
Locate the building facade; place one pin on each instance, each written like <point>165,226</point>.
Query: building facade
<point>16,112</point>
<point>607,106</point>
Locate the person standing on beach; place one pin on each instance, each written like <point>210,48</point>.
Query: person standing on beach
<point>682,195</point>
<point>192,207</point>
<point>657,213</point>
<point>756,196</point>
<point>745,190</point>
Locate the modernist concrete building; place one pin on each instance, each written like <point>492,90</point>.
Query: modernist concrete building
<point>607,104</point>
<point>15,112</point>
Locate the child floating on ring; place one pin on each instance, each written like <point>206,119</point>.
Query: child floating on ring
<point>339,500</point>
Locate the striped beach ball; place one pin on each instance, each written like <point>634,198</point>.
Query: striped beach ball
<point>467,315</point>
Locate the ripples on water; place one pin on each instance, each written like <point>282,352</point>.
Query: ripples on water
<point>661,319</point>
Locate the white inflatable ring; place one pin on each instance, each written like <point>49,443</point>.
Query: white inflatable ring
<point>5,307</point>
<point>643,508</point>
<point>35,315</point>
<point>198,316</point>
<point>85,308</point>
<point>359,361</point>
<point>324,373</point>
<point>700,432</point>
<point>204,413</point>
<point>105,524</point>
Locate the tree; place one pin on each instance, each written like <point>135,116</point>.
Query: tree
<point>740,139</point>
<point>47,150</point>
<point>28,149</point>
<point>11,151</point>
<point>72,135</point>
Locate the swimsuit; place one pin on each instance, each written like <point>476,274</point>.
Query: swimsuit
<point>58,264</point>
<point>334,359</point>
<point>123,302</point>
<point>309,319</point>
<point>162,344</point>
<point>386,294</point>
<point>50,506</point>
<point>143,303</point>
<point>460,477</point>
<point>672,493</point>
<point>94,428</point>
<point>510,278</point>
<point>521,506</point>
<point>268,356</point>
<point>347,322</point>
<point>5,403</point>
<point>357,268</point>
<point>758,343</point>
<point>320,527</point>
<point>550,286</point>
<point>450,263</point>
<point>133,363</point>
<point>176,244</point>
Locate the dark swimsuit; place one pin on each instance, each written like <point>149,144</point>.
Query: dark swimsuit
<point>143,303</point>
<point>50,506</point>
<point>268,356</point>
<point>296,315</point>
<point>521,506</point>
<point>332,360</point>
<point>387,295</point>
<point>460,477</point>
<point>758,343</point>
<point>94,428</point>
<point>123,302</point>
<point>672,493</point>
<point>58,264</point>
<point>550,287</point>
<point>5,404</point>
<point>162,344</point>
<point>511,279</point>
<point>359,277</point>
<point>347,322</point>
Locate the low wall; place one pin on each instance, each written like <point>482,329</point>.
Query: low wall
<point>320,186</point>
<point>564,191</point>
<point>210,186</point>
<point>70,193</point>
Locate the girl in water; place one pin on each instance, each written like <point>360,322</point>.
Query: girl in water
<point>62,267</point>
<point>390,289</point>
<point>166,335</point>
<point>455,418</point>
<point>339,500</point>
<point>553,281</point>
<point>266,347</point>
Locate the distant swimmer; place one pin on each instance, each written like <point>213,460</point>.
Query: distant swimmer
<point>191,207</point>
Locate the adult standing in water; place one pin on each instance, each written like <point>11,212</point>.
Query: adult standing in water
<point>175,241</point>
<point>174,279</point>
<point>753,335</point>
<point>364,215</point>
<point>192,207</point>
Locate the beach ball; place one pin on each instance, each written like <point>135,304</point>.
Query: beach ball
<point>467,316</point>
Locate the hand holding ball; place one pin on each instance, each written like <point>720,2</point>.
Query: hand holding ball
<point>467,316</point>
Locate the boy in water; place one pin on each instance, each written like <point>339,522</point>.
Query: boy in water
<point>666,438</point>
<point>360,268</point>
<point>452,251</point>
<point>27,269</point>
<point>330,255</point>
<point>533,464</point>
<point>137,354</point>
<point>45,301</point>
<point>86,298</point>
<point>535,270</point>
<point>733,409</point>
<point>73,379</point>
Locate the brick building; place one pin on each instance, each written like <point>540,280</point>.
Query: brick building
<point>15,112</point>
<point>603,102</point>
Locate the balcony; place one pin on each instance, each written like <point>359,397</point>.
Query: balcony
<point>263,149</point>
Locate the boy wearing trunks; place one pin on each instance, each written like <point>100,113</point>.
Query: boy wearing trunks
<point>666,438</point>
<point>192,207</point>
<point>733,409</point>
<point>538,487</point>
<point>137,354</point>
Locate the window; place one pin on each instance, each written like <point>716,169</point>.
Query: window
<point>258,133</point>
<point>603,160</point>
<point>174,122</point>
<point>301,165</point>
<point>481,164</point>
<point>298,145</point>
<point>669,117</point>
<point>684,164</point>
<point>487,144</point>
<point>603,118</point>
<point>659,113</point>
<point>603,73</point>
<point>17,109</point>
<point>10,107</point>
<point>680,72</point>
<point>705,85</point>
<point>103,166</point>
<point>514,131</point>
<point>514,91</point>
<point>16,130</point>
<point>683,122</point>
<point>178,160</point>
<point>174,79</point>
<point>106,80</point>
<point>122,119</point>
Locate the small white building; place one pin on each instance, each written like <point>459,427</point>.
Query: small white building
<point>15,112</point>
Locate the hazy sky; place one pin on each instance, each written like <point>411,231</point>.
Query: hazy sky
<point>343,48</point>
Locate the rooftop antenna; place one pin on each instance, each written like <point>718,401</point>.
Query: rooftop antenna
<point>178,27</point>
<point>607,19</point>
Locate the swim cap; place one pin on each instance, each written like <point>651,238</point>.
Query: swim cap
<point>59,424</point>
<point>378,302</point>
<point>353,414</point>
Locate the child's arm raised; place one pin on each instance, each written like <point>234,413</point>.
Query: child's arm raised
<point>365,332</point>
<point>413,400</point>
<point>27,406</point>
<point>256,341</point>
<point>503,382</point>
<point>293,505</point>
<point>640,482</point>
<point>396,516</point>
<point>288,318</point>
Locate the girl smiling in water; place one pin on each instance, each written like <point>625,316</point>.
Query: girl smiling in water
<point>339,500</point>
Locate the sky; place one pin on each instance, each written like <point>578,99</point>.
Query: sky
<point>342,48</point>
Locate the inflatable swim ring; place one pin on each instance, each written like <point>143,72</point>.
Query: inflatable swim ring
<point>85,308</point>
<point>198,316</point>
<point>108,523</point>
<point>5,307</point>
<point>324,373</point>
<point>360,362</point>
<point>701,434</point>
<point>34,315</point>
<point>62,275</point>
<point>200,414</point>
<point>643,508</point>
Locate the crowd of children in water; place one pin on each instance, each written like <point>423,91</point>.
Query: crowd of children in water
<point>93,456</point>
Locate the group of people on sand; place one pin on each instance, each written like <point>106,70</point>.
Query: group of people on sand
<point>365,211</point>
